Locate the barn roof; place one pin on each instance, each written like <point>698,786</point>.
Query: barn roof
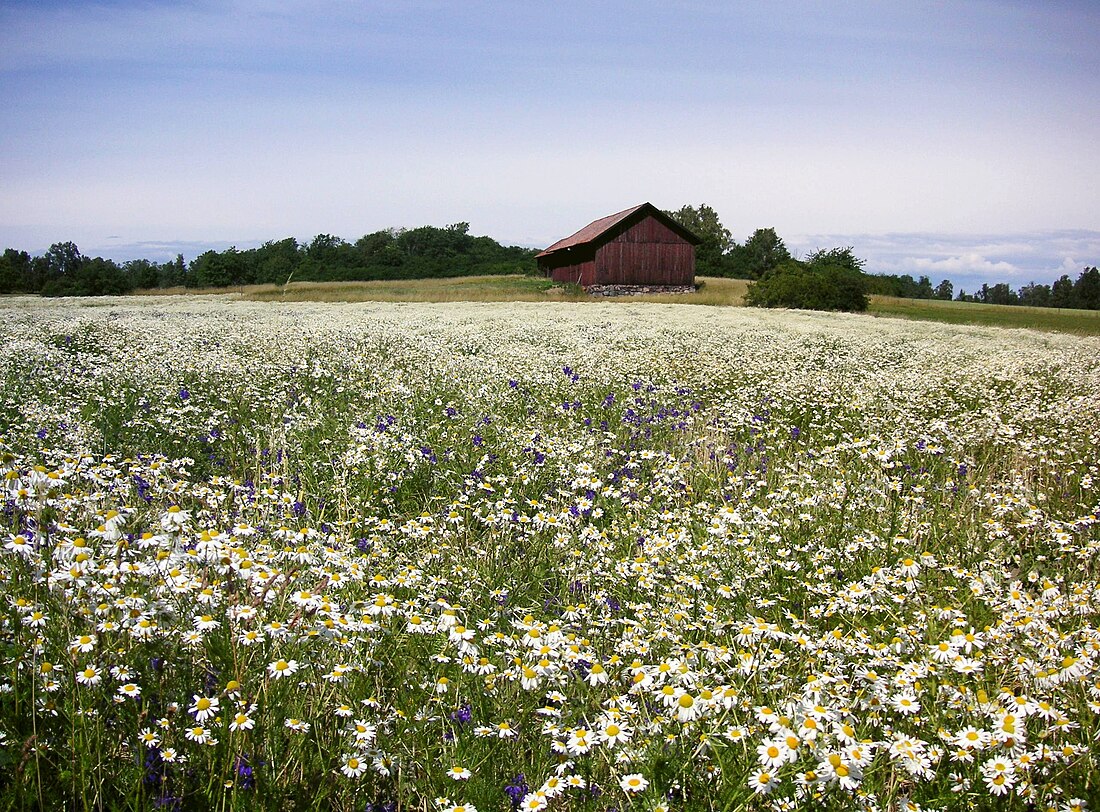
<point>598,228</point>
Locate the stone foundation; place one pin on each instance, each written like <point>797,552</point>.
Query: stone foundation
<point>636,290</point>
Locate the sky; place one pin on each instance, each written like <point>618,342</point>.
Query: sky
<point>953,139</point>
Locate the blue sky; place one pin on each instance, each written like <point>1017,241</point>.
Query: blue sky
<point>954,139</point>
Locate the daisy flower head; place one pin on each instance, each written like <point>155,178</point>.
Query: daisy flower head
<point>971,738</point>
<point>773,753</point>
<point>130,690</point>
<point>203,707</point>
<point>909,567</point>
<point>459,773</point>
<point>836,766</point>
<point>766,715</point>
<point>282,668</point>
<point>612,733</point>
<point>763,781</point>
<point>1009,726</point>
<point>534,802</point>
<point>200,735</point>
<point>906,703</point>
<point>553,786</point>
<point>148,737</point>
<point>597,675</point>
<point>89,675</point>
<point>83,644</point>
<point>191,638</point>
<point>999,776</point>
<point>688,708</point>
<point>353,766</point>
<point>580,741</point>
<point>242,721</point>
<point>633,783</point>
<point>362,731</point>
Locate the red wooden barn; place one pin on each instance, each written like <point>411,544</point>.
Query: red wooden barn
<point>641,246</point>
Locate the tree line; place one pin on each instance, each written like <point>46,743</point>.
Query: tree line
<point>826,279</point>
<point>1082,294</point>
<point>416,253</point>
<point>830,279</point>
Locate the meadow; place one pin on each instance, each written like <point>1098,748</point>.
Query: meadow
<point>543,555</point>
<point>712,291</point>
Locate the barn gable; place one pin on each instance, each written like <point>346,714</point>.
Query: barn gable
<point>640,246</point>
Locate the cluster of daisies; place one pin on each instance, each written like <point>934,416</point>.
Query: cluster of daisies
<point>395,555</point>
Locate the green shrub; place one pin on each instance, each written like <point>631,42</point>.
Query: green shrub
<point>815,285</point>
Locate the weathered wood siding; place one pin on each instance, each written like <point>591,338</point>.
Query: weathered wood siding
<point>646,253</point>
<point>580,273</point>
<point>574,265</point>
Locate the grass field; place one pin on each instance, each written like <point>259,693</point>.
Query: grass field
<point>1082,322</point>
<point>543,555</point>
<point>713,291</point>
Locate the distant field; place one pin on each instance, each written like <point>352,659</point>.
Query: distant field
<point>713,291</point>
<point>1082,322</point>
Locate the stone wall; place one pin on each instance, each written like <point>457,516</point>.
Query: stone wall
<point>636,290</point>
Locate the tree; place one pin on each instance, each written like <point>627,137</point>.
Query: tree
<point>1087,289</point>
<point>944,290</point>
<point>141,273</point>
<point>211,270</point>
<point>15,272</point>
<point>842,257</point>
<point>1062,292</point>
<point>100,277</point>
<point>171,274</point>
<point>840,271</point>
<point>1000,294</point>
<point>715,239</point>
<point>765,251</point>
<point>55,271</point>
<point>276,262</point>
<point>1035,295</point>
<point>63,259</point>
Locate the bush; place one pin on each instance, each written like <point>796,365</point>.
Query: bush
<point>821,285</point>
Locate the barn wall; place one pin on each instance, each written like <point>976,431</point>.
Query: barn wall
<point>647,253</point>
<point>580,273</point>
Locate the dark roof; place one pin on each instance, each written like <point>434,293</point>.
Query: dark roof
<point>597,228</point>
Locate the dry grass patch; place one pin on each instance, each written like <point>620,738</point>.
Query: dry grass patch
<point>504,288</point>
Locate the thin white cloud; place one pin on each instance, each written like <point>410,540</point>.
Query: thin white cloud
<point>971,263</point>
